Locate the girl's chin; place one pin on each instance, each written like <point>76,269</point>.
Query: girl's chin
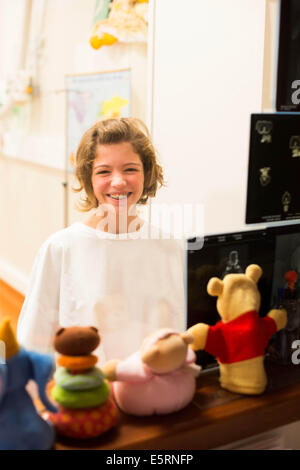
<point>119,207</point>
<point>118,202</point>
<point>116,206</point>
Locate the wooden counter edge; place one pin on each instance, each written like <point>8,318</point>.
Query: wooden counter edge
<point>210,427</point>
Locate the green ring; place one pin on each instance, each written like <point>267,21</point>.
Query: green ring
<point>84,381</point>
<point>82,398</point>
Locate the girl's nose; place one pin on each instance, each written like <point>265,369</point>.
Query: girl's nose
<point>118,180</point>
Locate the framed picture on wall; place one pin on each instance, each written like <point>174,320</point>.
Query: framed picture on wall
<point>93,97</point>
<point>273,191</point>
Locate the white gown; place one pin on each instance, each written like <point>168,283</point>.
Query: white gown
<point>125,287</point>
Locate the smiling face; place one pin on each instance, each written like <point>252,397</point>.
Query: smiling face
<point>117,176</point>
<point>103,139</point>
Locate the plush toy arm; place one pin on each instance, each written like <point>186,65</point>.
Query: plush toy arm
<point>280,318</point>
<point>132,369</point>
<point>42,371</point>
<point>199,332</point>
<point>110,370</point>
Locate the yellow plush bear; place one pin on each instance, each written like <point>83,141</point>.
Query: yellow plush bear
<point>240,339</point>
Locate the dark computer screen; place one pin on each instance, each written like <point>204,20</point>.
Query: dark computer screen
<point>275,250</point>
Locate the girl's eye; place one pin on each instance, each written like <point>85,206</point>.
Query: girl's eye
<point>106,172</point>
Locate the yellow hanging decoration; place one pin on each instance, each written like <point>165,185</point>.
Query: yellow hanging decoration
<point>102,8</point>
<point>106,40</point>
<point>126,22</point>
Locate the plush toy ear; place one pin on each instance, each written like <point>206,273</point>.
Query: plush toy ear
<point>59,331</point>
<point>254,272</point>
<point>42,367</point>
<point>215,286</point>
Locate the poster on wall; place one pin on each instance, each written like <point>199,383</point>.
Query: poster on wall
<point>94,97</point>
<point>273,192</point>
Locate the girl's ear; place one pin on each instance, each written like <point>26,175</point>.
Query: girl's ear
<point>254,272</point>
<point>215,286</point>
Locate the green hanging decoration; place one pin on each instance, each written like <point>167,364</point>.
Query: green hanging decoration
<point>101,10</point>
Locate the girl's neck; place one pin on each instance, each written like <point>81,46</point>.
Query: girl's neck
<point>117,225</point>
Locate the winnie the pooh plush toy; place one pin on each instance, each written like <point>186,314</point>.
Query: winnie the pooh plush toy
<point>240,339</point>
<point>160,378</point>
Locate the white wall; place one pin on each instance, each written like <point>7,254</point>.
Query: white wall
<point>12,23</point>
<point>208,75</point>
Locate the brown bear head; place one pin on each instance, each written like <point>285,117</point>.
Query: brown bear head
<point>76,340</point>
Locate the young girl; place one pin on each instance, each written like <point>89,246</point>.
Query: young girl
<point>108,272</point>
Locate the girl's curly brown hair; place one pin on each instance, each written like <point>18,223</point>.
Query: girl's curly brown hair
<point>115,131</point>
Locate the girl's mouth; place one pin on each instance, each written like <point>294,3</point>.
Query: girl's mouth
<point>119,197</point>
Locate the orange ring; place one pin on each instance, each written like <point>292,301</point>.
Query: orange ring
<point>77,362</point>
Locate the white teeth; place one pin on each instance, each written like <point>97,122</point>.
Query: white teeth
<point>118,196</point>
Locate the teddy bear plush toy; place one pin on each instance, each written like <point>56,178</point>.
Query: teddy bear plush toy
<point>160,378</point>
<point>240,339</point>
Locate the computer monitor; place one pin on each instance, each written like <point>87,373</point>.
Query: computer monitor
<point>276,250</point>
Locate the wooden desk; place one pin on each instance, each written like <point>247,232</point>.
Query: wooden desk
<point>214,418</point>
